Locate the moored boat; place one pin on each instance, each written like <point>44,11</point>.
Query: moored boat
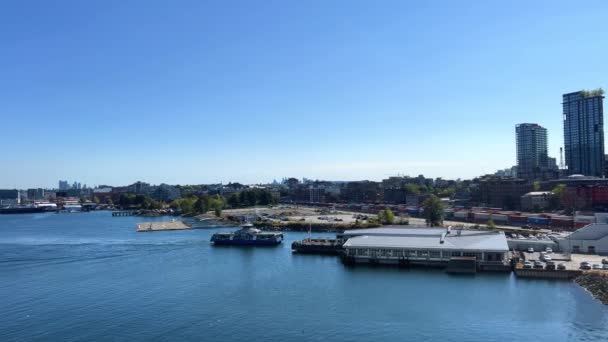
<point>247,236</point>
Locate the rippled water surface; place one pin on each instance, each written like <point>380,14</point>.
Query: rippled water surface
<point>91,277</point>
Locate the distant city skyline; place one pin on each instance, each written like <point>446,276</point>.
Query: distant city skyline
<point>252,92</point>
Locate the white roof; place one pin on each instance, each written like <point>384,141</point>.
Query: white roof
<point>594,231</point>
<point>538,193</point>
<point>468,240</point>
<point>404,231</point>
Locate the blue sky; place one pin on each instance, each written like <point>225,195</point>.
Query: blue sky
<point>188,92</point>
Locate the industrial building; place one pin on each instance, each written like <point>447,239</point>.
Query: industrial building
<point>591,239</point>
<point>426,246</point>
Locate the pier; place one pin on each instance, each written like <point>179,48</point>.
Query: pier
<point>158,226</point>
<point>123,213</point>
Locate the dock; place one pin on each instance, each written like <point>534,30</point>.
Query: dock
<point>317,246</point>
<point>158,226</point>
<point>123,213</point>
<point>546,274</point>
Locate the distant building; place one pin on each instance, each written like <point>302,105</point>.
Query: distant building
<point>510,172</point>
<point>165,192</point>
<point>35,194</point>
<point>584,132</point>
<point>139,188</point>
<point>361,192</point>
<point>9,197</point>
<point>63,185</point>
<point>503,193</point>
<point>536,200</point>
<point>532,157</point>
<point>316,194</point>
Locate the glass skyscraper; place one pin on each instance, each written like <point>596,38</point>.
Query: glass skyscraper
<point>532,157</point>
<point>584,132</point>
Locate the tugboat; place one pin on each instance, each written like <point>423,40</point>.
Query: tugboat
<point>247,236</point>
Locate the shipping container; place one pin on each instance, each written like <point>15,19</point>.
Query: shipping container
<point>518,219</point>
<point>499,218</point>
<point>566,223</point>
<point>481,216</point>
<point>463,215</point>
<point>538,221</point>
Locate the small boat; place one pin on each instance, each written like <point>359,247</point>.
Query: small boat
<point>248,235</point>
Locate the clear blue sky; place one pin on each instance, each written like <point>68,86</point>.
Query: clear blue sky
<point>199,92</point>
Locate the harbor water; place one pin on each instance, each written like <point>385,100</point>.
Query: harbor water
<point>92,277</point>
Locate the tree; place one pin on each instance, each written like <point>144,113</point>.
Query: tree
<point>412,189</point>
<point>386,216</point>
<point>218,212</point>
<point>96,199</point>
<point>199,206</point>
<point>233,200</point>
<point>433,211</point>
<point>491,224</point>
<point>557,198</point>
<point>536,186</point>
<point>251,197</point>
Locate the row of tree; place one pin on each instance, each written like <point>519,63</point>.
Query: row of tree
<point>133,201</point>
<point>250,197</point>
<point>195,205</point>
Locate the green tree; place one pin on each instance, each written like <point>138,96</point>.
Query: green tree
<point>491,224</point>
<point>251,198</point>
<point>386,216</point>
<point>412,189</point>
<point>218,212</point>
<point>96,199</point>
<point>557,198</point>
<point>265,197</point>
<point>536,186</point>
<point>433,211</point>
<point>233,200</point>
<point>199,206</point>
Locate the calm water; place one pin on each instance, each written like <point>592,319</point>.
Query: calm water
<point>90,276</point>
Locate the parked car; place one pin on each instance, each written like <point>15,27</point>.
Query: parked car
<point>528,264</point>
<point>604,261</point>
<point>585,265</point>
<point>538,264</point>
<point>530,250</point>
<point>550,265</point>
<point>549,250</point>
<point>548,258</point>
<point>605,266</point>
<point>561,267</point>
<point>597,266</point>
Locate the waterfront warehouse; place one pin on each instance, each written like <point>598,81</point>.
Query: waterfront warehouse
<point>426,246</point>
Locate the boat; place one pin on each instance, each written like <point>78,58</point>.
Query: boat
<point>22,209</point>
<point>248,235</point>
<point>72,206</point>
